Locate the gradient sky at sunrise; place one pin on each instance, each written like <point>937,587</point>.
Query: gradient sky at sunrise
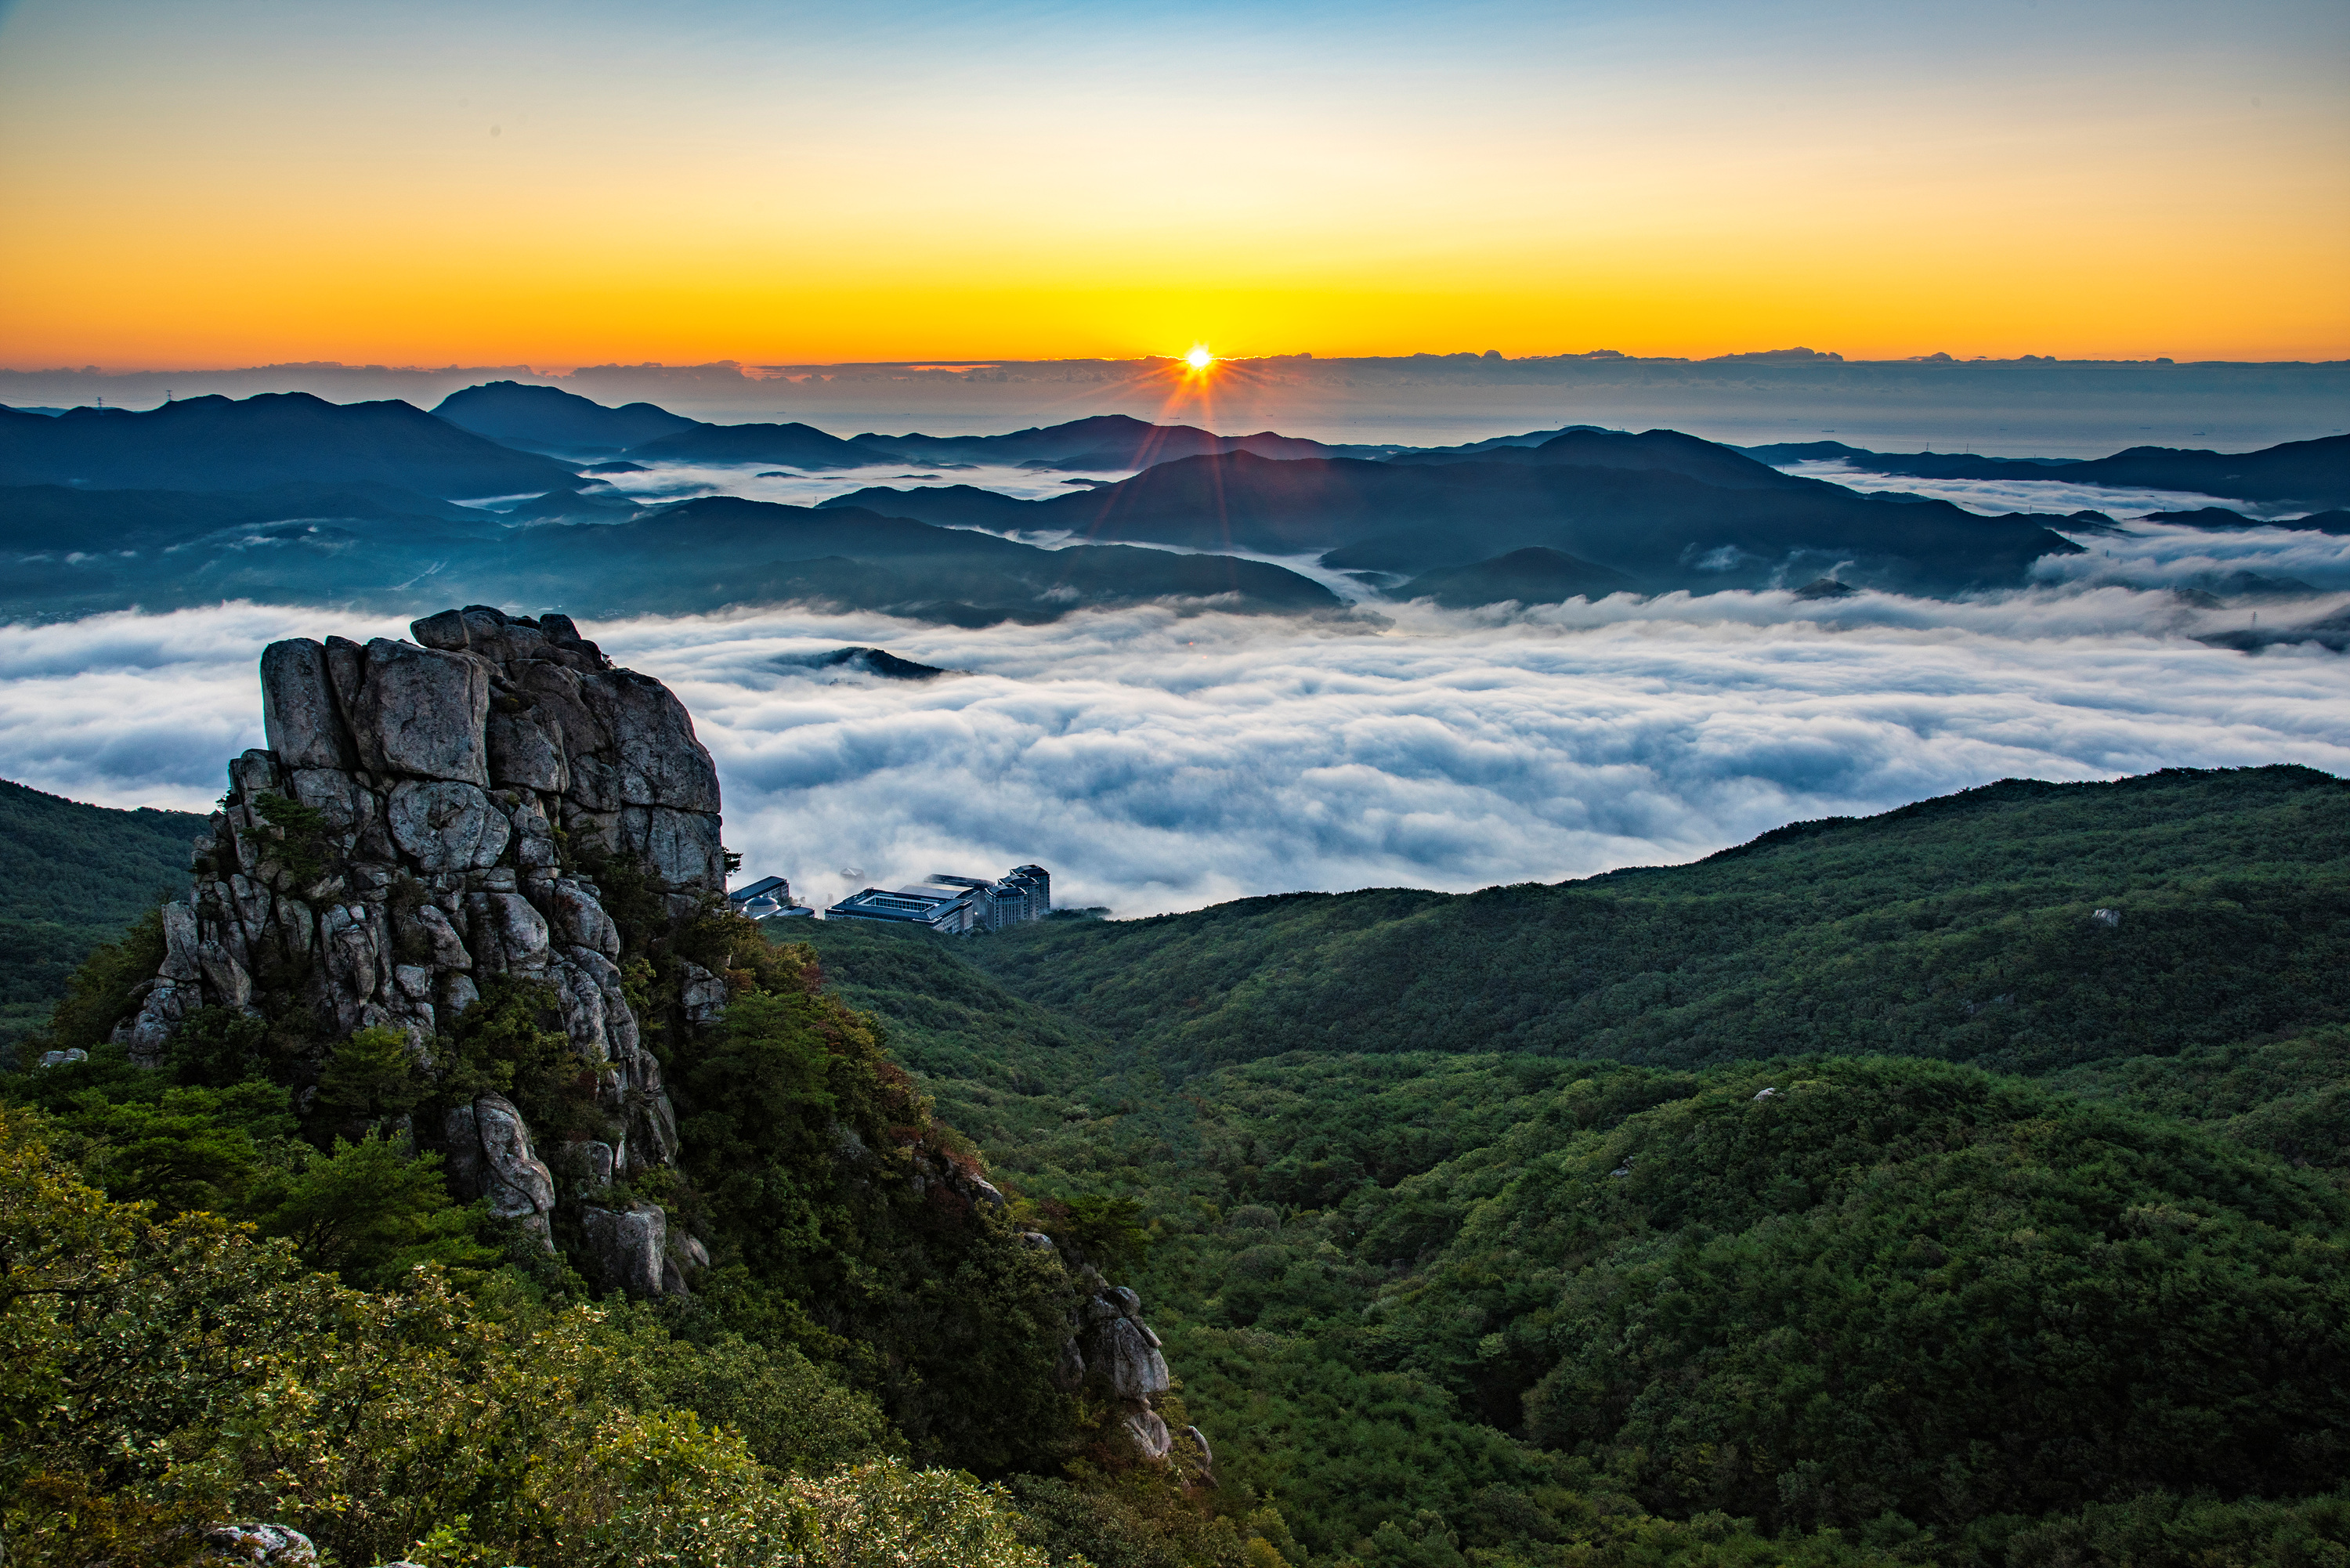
<point>233,182</point>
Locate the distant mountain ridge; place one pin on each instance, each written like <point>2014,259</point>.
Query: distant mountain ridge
<point>285,496</point>
<point>1656,527</point>
<point>274,438</point>
<point>69,551</point>
<point>2314,473</point>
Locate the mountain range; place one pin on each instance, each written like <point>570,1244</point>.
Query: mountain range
<point>287,497</point>
<point>275,438</point>
<point>1626,502</point>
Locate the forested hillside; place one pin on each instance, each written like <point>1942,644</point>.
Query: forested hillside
<point>1962,927</point>
<point>71,877</point>
<point>1856,1196</point>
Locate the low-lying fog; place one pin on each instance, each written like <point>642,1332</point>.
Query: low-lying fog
<point>1155,761</point>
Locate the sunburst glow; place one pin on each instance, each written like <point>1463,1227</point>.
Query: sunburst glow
<point>1198,358</point>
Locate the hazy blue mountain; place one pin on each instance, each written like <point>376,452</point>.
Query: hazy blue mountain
<point>70,552</point>
<point>1661,529</point>
<point>1917,465</point>
<point>2334,522</point>
<point>276,438</point>
<point>949,506</point>
<point>550,420</point>
<point>1668,452</point>
<point>1533,577</point>
<point>1529,438</point>
<point>57,518</point>
<point>2310,472</point>
<point>799,445</point>
<point>1105,442</point>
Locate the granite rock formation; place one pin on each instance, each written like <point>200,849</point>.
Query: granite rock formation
<point>420,821</point>
<point>1115,1354</point>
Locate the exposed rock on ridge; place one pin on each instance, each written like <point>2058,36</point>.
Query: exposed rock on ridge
<point>1113,1351</point>
<point>416,826</point>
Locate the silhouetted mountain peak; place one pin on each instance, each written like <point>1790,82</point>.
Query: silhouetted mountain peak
<point>549,419</point>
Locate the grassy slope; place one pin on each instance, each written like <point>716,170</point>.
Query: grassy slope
<point>71,877</point>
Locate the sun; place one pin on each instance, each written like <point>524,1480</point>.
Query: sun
<point>1198,358</point>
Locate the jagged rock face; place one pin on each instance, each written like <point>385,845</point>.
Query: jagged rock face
<point>446,775</point>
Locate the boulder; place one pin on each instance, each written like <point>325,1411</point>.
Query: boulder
<point>421,713</point>
<point>1069,1368</point>
<point>1122,1351</point>
<point>441,934</point>
<point>701,994</point>
<point>335,795</point>
<point>1148,1431</point>
<point>584,1165</point>
<point>183,958</point>
<point>444,825</point>
<point>1200,1441</point>
<point>299,716</point>
<point>506,933</point>
<point>681,848</point>
<point>446,632</point>
<point>578,919</point>
<point>628,1246</point>
<point>657,759</point>
<point>526,750</point>
<point>262,1545</point>
<point>231,985</point>
<point>355,961</point>
<point>489,1155</point>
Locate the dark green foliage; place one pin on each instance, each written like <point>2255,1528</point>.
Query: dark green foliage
<point>302,846</point>
<point>71,878</point>
<point>816,1159</point>
<point>2289,1097</point>
<point>368,1211</point>
<point>1959,928</point>
<point>186,1149</point>
<point>794,1416</point>
<point>371,1076</point>
<point>512,1041</point>
<point>217,1047</point>
<point>97,995</point>
<point>1002,1069</point>
<point>1899,1287</point>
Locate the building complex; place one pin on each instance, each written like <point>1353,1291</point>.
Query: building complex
<point>955,904</point>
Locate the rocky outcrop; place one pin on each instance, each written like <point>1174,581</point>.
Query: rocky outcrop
<point>419,822</point>
<point>1114,1352</point>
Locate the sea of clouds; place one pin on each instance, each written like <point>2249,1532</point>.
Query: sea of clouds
<point>1156,761</point>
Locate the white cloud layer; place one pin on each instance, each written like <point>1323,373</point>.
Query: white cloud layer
<point>1160,763</point>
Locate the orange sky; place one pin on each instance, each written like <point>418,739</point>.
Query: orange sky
<point>191,182</point>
